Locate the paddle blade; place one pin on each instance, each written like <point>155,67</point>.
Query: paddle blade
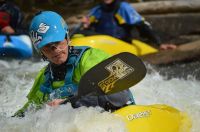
<point>115,74</point>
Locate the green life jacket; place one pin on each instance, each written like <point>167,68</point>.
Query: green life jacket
<point>69,88</point>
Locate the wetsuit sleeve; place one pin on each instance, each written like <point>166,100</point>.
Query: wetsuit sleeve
<point>35,96</point>
<point>145,31</point>
<point>90,58</point>
<point>128,17</point>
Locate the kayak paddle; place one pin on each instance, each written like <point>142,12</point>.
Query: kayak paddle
<point>112,75</point>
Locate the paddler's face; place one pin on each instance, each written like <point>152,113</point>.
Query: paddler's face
<point>108,1</point>
<point>56,52</point>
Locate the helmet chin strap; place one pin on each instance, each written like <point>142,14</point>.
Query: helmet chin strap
<point>67,36</point>
<point>43,56</point>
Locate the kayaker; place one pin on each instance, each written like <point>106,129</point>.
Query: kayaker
<point>119,19</point>
<point>58,81</point>
<point>11,18</point>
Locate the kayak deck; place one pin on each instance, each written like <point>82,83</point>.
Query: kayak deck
<point>154,118</point>
<point>113,45</point>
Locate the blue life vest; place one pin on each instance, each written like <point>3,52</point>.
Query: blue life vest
<point>110,23</point>
<point>107,24</point>
<point>69,88</point>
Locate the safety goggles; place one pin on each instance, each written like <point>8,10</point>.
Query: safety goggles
<point>61,45</point>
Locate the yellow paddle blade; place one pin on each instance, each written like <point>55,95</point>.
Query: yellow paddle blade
<point>154,118</point>
<point>113,45</point>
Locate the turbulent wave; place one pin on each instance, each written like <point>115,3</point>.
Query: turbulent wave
<point>16,79</point>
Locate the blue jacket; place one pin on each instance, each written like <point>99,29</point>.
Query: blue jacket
<point>110,23</point>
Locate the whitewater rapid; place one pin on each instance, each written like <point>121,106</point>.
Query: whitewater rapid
<point>16,79</point>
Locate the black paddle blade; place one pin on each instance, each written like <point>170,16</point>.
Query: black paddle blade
<point>115,74</point>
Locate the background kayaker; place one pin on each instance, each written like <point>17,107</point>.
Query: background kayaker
<point>11,18</point>
<point>59,80</point>
<point>119,19</point>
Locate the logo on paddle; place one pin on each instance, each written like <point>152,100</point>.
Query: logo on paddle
<point>118,70</point>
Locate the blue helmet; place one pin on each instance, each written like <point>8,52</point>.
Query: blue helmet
<point>47,27</point>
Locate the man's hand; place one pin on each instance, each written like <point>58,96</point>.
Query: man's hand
<point>167,46</point>
<point>56,102</point>
<point>8,29</point>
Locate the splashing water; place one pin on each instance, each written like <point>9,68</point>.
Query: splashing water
<point>16,79</point>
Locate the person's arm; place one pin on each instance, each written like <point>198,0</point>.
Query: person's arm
<point>92,17</point>
<point>167,46</point>
<point>145,30</point>
<point>132,18</point>
<point>147,34</point>
<point>8,30</point>
<point>35,96</point>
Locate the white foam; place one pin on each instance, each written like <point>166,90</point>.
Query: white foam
<point>16,79</point>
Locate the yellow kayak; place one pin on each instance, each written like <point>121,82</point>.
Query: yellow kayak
<point>139,118</point>
<point>154,118</point>
<point>113,45</point>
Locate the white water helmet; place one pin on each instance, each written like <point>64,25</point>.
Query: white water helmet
<point>47,27</point>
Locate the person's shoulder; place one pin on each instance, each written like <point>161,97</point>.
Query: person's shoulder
<point>78,49</point>
<point>95,9</point>
<point>96,53</point>
<point>126,7</point>
<point>9,5</point>
<point>11,8</point>
<point>128,12</point>
<point>41,73</point>
<point>94,50</point>
<point>125,4</point>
